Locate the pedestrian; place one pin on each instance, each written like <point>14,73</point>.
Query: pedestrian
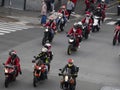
<point>43,13</point>
<point>48,3</point>
<point>52,5</point>
<point>74,1</point>
<point>70,6</point>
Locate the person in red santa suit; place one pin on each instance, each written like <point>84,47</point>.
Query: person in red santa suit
<point>76,32</point>
<point>103,7</point>
<point>13,59</point>
<point>87,21</point>
<point>63,11</point>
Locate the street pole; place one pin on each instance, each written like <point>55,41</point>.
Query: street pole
<point>24,4</point>
<point>10,3</point>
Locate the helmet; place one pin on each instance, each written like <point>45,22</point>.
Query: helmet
<point>48,46</point>
<point>12,52</point>
<point>79,24</point>
<point>75,25</point>
<point>44,49</point>
<point>70,62</point>
<point>102,1</point>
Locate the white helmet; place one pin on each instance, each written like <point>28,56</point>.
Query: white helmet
<point>44,49</point>
<point>102,1</point>
<point>47,45</point>
<point>80,23</point>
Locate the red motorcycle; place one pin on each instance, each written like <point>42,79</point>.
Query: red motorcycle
<point>116,37</point>
<point>39,72</point>
<point>10,73</point>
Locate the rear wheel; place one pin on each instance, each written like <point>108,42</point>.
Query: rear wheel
<point>43,41</point>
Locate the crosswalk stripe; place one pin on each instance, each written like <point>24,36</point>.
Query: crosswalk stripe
<point>15,25</point>
<point>13,28</point>
<point>21,27</point>
<point>1,33</point>
<point>4,31</point>
<point>8,27</point>
<point>111,23</point>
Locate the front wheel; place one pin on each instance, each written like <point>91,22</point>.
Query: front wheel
<point>35,81</point>
<point>86,35</point>
<point>6,82</point>
<point>69,51</point>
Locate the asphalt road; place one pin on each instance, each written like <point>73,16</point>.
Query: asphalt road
<point>97,58</point>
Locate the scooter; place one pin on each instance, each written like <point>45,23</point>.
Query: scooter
<point>96,25</point>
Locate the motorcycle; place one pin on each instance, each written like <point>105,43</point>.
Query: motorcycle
<point>96,26</point>
<point>67,83</point>
<point>48,35</point>
<point>61,20</point>
<point>39,72</point>
<point>116,37</point>
<point>10,74</point>
<point>72,44</point>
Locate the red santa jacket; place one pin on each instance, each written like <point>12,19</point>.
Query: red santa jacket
<point>15,62</point>
<point>103,7</point>
<point>53,25</point>
<point>65,12</point>
<point>88,21</point>
<point>77,33</point>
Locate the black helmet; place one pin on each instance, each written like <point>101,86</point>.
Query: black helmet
<point>13,54</point>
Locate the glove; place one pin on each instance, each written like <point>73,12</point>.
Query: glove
<point>20,72</point>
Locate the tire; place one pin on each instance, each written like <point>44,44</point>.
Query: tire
<point>43,41</point>
<point>86,35</point>
<point>114,41</point>
<point>34,81</point>
<point>6,82</point>
<point>93,29</point>
<point>98,28</point>
<point>69,50</point>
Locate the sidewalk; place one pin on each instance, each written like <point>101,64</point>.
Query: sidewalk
<point>32,17</point>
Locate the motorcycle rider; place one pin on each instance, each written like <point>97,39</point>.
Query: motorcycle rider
<point>88,4</point>
<point>52,25</point>
<point>43,56</point>
<point>63,11</point>
<point>13,59</point>
<point>87,20</point>
<point>77,32</point>
<point>103,7</point>
<point>98,12</point>
<point>70,68</point>
<point>49,52</point>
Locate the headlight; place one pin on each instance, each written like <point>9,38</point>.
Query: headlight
<point>71,40</point>
<point>46,30</point>
<point>6,71</point>
<point>39,68</point>
<point>66,78</point>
